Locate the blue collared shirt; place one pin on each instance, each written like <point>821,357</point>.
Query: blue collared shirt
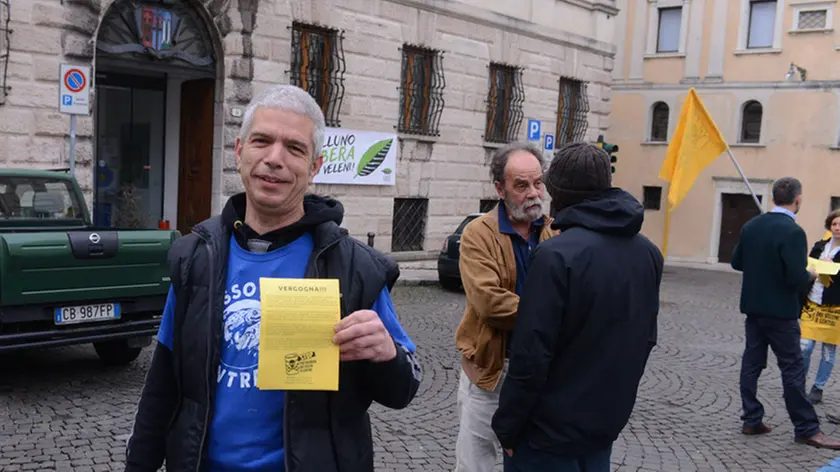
<point>521,247</point>
<point>784,211</point>
<point>521,251</point>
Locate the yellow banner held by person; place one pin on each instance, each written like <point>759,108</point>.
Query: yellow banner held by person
<point>820,323</point>
<point>696,143</point>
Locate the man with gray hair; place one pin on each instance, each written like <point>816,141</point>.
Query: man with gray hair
<point>772,253</point>
<point>200,408</point>
<point>494,259</point>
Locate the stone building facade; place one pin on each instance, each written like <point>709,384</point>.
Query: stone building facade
<point>451,80</point>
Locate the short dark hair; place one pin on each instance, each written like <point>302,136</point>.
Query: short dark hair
<point>830,218</point>
<point>501,156</point>
<point>785,191</point>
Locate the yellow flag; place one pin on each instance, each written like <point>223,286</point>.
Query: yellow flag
<point>696,143</point>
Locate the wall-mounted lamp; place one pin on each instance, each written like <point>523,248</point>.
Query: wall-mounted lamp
<point>791,75</point>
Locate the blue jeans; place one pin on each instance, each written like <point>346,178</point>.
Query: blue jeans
<point>527,458</point>
<point>829,352</point>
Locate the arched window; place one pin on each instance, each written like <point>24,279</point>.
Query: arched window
<point>751,122</point>
<point>659,122</point>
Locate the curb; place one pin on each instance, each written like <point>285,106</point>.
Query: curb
<point>416,283</point>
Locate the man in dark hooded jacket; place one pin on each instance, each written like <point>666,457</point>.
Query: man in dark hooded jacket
<point>586,324</point>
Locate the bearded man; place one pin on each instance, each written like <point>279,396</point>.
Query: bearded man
<point>494,259</point>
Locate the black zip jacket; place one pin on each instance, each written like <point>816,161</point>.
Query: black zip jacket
<point>323,431</point>
<point>584,330</point>
<point>831,294</point>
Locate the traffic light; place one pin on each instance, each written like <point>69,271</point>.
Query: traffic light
<point>610,148</point>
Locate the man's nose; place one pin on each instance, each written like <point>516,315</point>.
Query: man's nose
<point>533,192</point>
<point>276,156</point>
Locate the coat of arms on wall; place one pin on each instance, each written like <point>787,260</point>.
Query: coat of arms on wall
<point>164,30</point>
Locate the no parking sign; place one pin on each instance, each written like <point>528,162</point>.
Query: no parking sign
<point>74,89</point>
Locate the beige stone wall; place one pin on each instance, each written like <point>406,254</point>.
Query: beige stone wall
<point>551,39</point>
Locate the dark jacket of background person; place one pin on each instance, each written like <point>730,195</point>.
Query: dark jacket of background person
<point>772,254</point>
<point>831,294</point>
<point>585,328</point>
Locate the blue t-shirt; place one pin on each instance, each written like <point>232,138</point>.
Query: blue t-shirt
<point>246,432</point>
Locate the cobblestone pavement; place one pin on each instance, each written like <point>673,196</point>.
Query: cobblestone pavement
<point>60,409</point>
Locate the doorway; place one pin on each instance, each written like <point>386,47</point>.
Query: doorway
<point>736,210</point>
<point>156,80</point>
<point>130,117</point>
<point>195,181</point>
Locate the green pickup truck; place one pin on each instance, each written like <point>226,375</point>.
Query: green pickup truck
<point>64,282</point>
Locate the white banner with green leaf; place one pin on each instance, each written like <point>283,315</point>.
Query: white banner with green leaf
<point>358,158</point>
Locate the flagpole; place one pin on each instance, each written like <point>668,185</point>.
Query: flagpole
<point>747,182</point>
<point>667,228</point>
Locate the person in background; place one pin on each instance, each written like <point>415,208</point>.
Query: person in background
<point>200,408</point>
<point>495,253</point>
<point>772,255</point>
<point>823,301</point>
<point>586,325</point>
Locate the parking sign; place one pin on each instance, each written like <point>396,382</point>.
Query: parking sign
<point>549,142</point>
<point>74,89</point>
<point>533,130</point>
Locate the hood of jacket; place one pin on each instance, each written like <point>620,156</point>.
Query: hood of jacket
<point>613,211</point>
<point>317,210</point>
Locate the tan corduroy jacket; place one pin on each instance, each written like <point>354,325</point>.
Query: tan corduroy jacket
<point>488,273</point>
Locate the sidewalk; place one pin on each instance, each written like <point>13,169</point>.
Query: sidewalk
<point>416,273</point>
<point>424,272</point>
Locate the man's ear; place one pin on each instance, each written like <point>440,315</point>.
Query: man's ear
<point>500,189</point>
<point>237,152</point>
<point>316,166</point>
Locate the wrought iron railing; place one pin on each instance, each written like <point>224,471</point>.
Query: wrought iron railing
<point>408,232</point>
<point>505,98</point>
<point>421,91</point>
<point>5,47</point>
<point>572,109</point>
<point>318,66</point>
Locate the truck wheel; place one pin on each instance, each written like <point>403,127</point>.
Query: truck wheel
<point>116,353</point>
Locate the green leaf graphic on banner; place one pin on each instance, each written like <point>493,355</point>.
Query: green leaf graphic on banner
<point>373,157</point>
<point>387,170</point>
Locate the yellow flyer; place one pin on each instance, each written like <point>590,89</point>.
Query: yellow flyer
<point>823,267</point>
<point>297,327</point>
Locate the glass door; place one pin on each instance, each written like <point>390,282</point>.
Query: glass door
<point>130,124</point>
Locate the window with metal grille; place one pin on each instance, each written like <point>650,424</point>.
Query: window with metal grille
<point>487,204</point>
<point>318,67</point>
<point>572,108</point>
<point>652,198</point>
<point>5,30</point>
<point>812,19</point>
<point>421,90</point>
<point>505,97</point>
<point>835,203</point>
<point>408,231</point>
<point>751,122</point>
<point>659,122</point>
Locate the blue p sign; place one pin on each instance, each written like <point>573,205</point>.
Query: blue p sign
<point>66,100</point>
<point>533,130</point>
<point>549,142</point>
